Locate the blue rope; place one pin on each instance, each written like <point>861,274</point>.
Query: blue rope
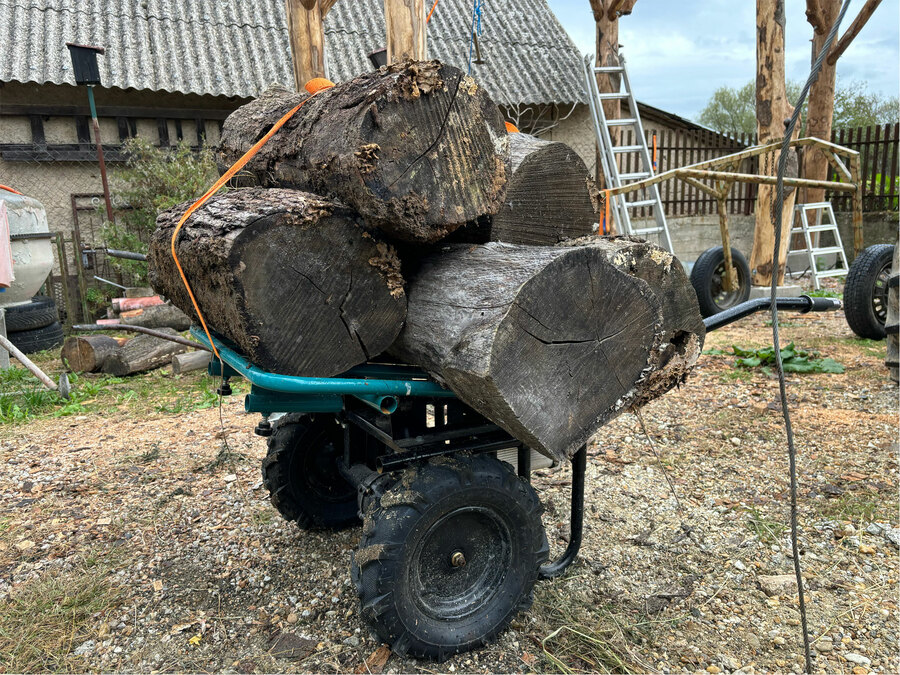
<point>476,28</point>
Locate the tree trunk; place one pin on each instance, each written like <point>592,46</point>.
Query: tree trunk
<point>142,353</point>
<point>190,361</point>
<point>160,316</point>
<point>406,30</point>
<point>294,280</point>
<point>87,354</point>
<point>553,342</point>
<point>607,54</point>
<point>821,98</point>
<point>550,197</point>
<point>416,148</point>
<point>307,38</point>
<point>772,109</point>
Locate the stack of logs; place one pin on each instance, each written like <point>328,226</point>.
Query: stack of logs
<point>393,217</point>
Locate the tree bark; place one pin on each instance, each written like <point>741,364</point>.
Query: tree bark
<point>821,96</point>
<point>607,54</point>
<point>551,343</point>
<point>294,280</point>
<point>416,148</point>
<point>87,354</point>
<point>190,361</point>
<point>142,353</point>
<point>159,316</point>
<point>550,197</point>
<point>772,109</point>
<point>406,31</point>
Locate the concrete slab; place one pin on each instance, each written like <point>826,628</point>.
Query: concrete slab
<point>787,291</point>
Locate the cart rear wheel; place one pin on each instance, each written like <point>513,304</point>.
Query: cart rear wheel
<point>301,473</point>
<point>449,555</point>
<point>708,280</point>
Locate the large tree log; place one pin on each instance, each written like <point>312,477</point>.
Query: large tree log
<point>190,361</point>
<point>294,280</point>
<point>551,343</point>
<point>142,353</point>
<point>549,197</point>
<point>416,148</point>
<point>86,354</point>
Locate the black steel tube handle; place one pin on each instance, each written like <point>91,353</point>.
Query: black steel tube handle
<point>554,569</point>
<point>803,304</point>
<point>128,255</point>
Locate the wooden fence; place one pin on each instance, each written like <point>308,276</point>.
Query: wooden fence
<point>877,145</point>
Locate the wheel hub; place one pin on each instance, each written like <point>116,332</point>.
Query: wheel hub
<point>458,559</point>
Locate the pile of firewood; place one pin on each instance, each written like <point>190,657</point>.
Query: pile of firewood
<point>393,217</point>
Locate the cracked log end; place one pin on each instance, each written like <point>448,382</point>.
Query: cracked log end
<point>294,280</point>
<point>551,343</point>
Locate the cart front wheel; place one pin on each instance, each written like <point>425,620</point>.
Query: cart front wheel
<point>449,555</point>
<point>866,291</point>
<point>301,473</point>
<point>708,280</point>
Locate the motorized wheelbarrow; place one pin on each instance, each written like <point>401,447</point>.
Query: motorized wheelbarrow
<point>452,541</point>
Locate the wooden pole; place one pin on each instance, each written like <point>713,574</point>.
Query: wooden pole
<point>772,108</point>
<point>304,20</point>
<point>405,23</point>
<point>607,54</point>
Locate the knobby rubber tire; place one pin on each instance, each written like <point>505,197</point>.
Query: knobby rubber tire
<point>707,280</point>
<point>892,356</point>
<point>402,570</point>
<point>863,288</point>
<point>300,472</point>
<point>39,339</point>
<point>39,313</point>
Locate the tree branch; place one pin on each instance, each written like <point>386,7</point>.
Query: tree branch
<point>815,16</point>
<point>597,9</point>
<point>841,45</point>
<point>325,5</point>
<point>619,8</point>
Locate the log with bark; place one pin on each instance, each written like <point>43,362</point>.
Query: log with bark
<point>86,354</point>
<point>550,197</point>
<point>551,343</point>
<point>190,361</point>
<point>417,148</point>
<point>159,316</point>
<point>297,282</point>
<point>142,353</point>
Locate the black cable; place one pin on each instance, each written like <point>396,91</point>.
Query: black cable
<point>779,366</point>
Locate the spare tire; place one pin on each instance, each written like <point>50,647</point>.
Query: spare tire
<point>708,280</point>
<point>866,291</point>
<point>30,341</point>
<point>40,312</point>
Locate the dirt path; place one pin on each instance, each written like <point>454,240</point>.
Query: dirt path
<point>130,542</point>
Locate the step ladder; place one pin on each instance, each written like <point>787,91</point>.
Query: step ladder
<point>824,223</point>
<point>612,155</point>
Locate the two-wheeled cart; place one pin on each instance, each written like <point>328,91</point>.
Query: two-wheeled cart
<point>452,540</point>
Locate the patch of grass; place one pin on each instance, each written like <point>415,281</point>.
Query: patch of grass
<point>581,635</point>
<point>825,293</point>
<point>859,507</point>
<point>738,375</point>
<point>767,530</point>
<point>45,619</point>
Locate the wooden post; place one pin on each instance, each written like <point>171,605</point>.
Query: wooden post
<point>405,23</point>
<point>304,20</point>
<point>772,108</point>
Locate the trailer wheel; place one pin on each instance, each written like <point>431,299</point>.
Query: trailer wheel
<point>449,554</point>
<point>708,280</point>
<point>866,291</point>
<point>301,473</point>
<point>892,357</point>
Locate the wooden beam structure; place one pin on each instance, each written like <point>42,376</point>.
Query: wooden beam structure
<point>307,38</point>
<point>841,45</point>
<point>405,24</point>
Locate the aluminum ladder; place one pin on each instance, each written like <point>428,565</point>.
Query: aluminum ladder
<point>824,223</point>
<point>610,155</point>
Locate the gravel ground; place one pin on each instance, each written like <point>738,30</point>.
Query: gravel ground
<point>133,543</point>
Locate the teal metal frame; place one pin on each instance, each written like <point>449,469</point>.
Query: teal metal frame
<point>378,385</point>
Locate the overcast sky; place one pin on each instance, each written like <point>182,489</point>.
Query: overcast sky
<point>679,52</point>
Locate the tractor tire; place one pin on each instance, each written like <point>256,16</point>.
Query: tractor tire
<point>866,291</point>
<point>708,277</point>
<point>39,313</point>
<point>301,473</point>
<point>891,328</point>
<point>449,554</point>
<point>39,339</point>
